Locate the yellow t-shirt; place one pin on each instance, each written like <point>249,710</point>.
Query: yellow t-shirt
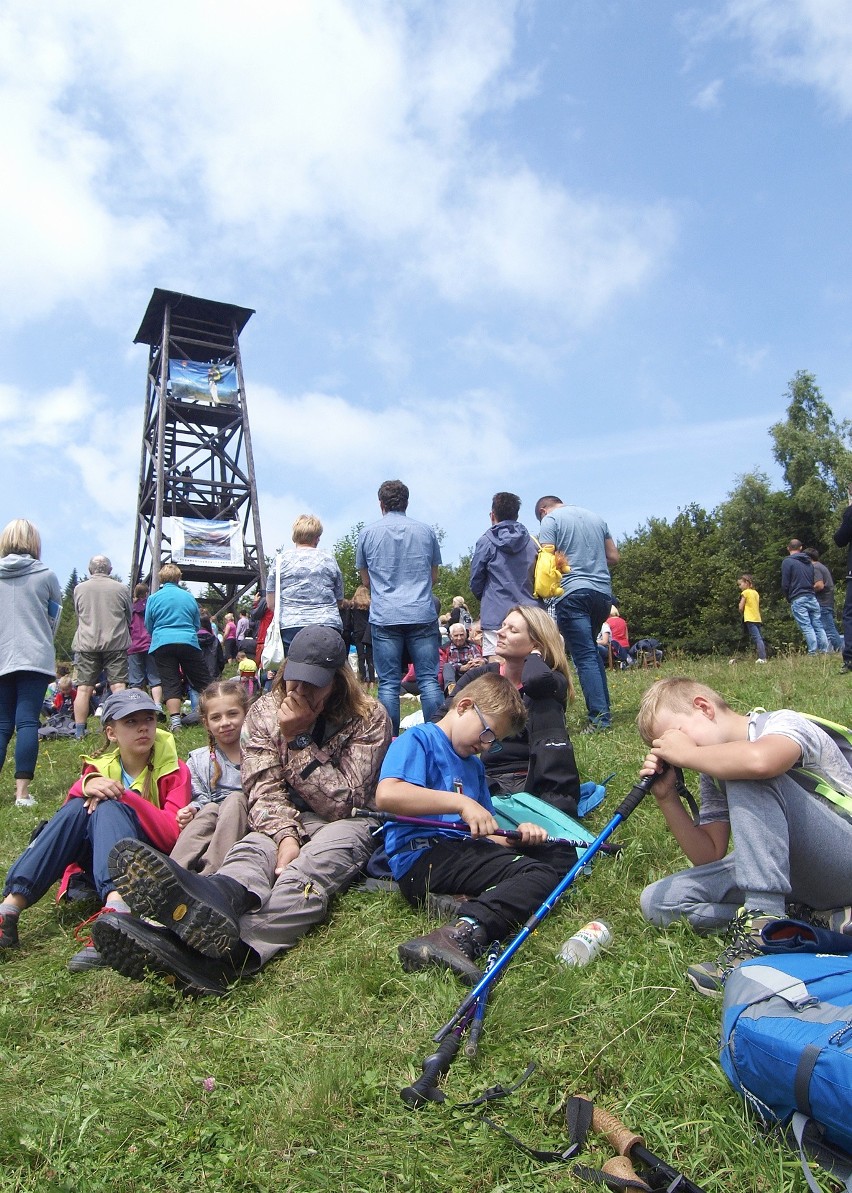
<point>751,611</point>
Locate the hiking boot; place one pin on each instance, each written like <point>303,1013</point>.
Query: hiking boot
<point>9,932</point>
<point>445,907</point>
<point>134,949</point>
<point>453,946</point>
<point>198,909</point>
<point>88,956</point>
<point>743,941</point>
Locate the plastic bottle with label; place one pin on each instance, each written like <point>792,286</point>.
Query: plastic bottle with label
<point>585,944</point>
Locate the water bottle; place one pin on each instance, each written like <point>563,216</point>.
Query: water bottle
<point>585,944</point>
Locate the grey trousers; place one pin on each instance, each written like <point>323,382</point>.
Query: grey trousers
<point>789,846</point>
<point>293,902</point>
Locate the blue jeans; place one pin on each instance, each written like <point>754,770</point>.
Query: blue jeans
<point>422,643</point>
<point>580,616</point>
<point>142,670</point>
<point>753,628</point>
<point>806,614</point>
<point>835,642</point>
<point>21,698</point>
<point>72,835</point>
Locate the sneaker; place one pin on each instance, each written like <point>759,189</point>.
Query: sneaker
<point>846,669</point>
<point>9,931</point>
<point>760,660</point>
<point>193,906</point>
<point>88,956</point>
<point>743,941</point>
<point>839,919</point>
<point>25,801</point>
<point>453,947</point>
<point>135,949</point>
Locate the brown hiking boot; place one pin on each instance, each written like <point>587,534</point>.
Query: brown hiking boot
<point>453,946</point>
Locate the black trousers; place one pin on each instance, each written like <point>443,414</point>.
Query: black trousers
<point>175,657</point>
<point>505,887</point>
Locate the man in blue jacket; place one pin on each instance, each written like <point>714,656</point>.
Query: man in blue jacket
<point>501,568</point>
<point>797,583</point>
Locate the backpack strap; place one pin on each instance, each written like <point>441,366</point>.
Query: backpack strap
<point>809,1139</point>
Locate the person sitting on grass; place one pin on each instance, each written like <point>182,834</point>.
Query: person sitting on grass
<point>461,656</point>
<point>435,770</point>
<point>135,790</point>
<point>539,758</point>
<point>311,752</point>
<point>790,845</point>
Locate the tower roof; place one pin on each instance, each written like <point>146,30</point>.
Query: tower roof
<point>203,315</point>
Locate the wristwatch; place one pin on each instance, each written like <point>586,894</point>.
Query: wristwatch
<point>300,742</point>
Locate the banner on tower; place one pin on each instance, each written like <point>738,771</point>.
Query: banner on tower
<point>194,381</point>
<point>207,543</point>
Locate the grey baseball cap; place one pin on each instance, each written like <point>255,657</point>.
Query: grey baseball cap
<point>123,704</point>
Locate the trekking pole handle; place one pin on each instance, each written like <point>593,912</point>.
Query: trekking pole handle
<point>626,1175</point>
<point>635,796</point>
<point>425,1088</point>
<point>621,1137</point>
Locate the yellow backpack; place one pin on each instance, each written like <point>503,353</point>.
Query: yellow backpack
<point>549,568</point>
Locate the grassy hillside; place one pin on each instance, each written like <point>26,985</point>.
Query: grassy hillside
<point>104,1081</point>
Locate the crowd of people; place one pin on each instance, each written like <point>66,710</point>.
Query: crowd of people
<point>204,870</point>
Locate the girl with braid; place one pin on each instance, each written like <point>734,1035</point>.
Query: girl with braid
<point>135,787</point>
<point>215,768</point>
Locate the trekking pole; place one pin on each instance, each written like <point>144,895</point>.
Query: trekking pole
<point>628,805</point>
<point>632,1146</point>
<point>460,826</point>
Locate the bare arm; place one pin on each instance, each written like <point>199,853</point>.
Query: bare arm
<point>612,556</point>
<point>741,605</point>
<point>434,576</point>
<point>765,758</point>
<point>407,799</point>
<point>365,577</point>
<point>702,843</point>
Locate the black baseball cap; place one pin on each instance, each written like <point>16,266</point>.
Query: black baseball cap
<point>315,654</point>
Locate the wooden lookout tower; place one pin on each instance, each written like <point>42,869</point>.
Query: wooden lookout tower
<point>197,500</point>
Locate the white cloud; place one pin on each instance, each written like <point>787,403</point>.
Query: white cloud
<point>807,42</point>
<point>205,139</point>
<point>708,99</point>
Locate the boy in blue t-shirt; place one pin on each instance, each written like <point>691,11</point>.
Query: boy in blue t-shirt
<point>434,770</point>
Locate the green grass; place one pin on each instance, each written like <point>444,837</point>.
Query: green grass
<point>102,1078</point>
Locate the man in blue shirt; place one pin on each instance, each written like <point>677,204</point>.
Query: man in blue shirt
<point>585,539</point>
<point>398,561</point>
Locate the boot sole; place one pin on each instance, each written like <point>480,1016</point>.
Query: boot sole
<point>133,953</point>
<point>150,887</point>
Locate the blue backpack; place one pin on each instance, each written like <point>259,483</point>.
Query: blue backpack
<point>787,1049</point>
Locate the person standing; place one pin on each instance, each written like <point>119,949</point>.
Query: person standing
<point>311,585</point>
<point>843,538</point>
<point>501,567</point>
<point>398,560</point>
<point>584,538</point>
<point>30,604</point>
<point>824,591</point>
<point>173,621</point>
<point>102,639</point>
<point>797,584</point>
<point>749,606</point>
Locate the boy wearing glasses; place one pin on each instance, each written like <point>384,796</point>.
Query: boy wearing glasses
<point>435,770</point>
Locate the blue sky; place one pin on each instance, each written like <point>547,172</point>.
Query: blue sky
<point>571,246</point>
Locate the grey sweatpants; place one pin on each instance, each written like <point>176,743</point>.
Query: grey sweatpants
<point>789,846</point>
<point>293,902</point>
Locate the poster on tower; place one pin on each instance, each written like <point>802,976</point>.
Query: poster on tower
<point>195,381</point>
<point>207,543</point>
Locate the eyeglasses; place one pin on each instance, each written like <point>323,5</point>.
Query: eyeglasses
<point>488,737</point>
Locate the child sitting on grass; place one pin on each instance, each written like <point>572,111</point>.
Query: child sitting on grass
<point>790,845</point>
<point>435,770</point>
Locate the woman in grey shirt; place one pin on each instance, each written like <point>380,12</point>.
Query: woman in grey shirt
<point>30,604</point>
<point>311,588</point>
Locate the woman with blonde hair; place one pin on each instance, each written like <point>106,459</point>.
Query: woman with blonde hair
<point>362,639</point>
<point>30,604</point>
<point>311,587</point>
<point>540,760</point>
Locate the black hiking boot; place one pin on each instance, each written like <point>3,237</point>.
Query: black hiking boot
<point>203,911</point>
<point>453,947</point>
<point>134,949</point>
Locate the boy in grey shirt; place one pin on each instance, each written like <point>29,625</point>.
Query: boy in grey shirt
<point>790,844</point>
